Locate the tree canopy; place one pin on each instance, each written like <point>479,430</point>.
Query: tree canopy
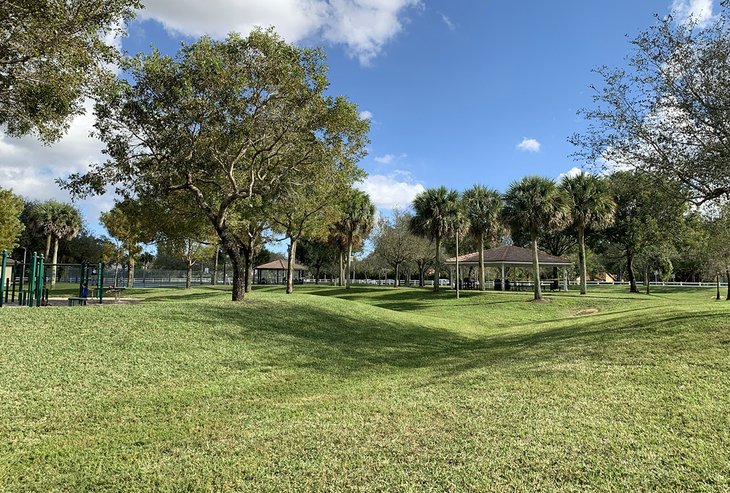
<point>534,204</point>
<point>51,54</point>
<point>668,111</point>
<point>437,215</point>
<point>227,124</point>
<point>11,226</point>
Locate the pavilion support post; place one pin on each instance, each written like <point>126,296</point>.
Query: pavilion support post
<point>502,285</point>
<point>565,278</point>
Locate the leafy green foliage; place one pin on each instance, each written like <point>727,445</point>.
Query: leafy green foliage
<point>591,206</point>
<point>11,226</point>
<point>357,221</point>
<point>668,112</point>
<point>531,205</point>
<point>437,214</point>
<point>52,53</point>
<point>646,215</point>
<point>226,125</point>
<point>483,208</point>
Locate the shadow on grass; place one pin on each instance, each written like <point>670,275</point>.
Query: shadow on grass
<point>180,294</point>
<point>343,342</point>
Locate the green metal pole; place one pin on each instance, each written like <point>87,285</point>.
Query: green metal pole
<point>2,276</point>
<point>82,276</point>
<point>100,282</point>
<point>32,279</point>
<point>39,281</point>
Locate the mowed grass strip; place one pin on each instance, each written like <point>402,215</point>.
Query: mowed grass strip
<point>368,389</point>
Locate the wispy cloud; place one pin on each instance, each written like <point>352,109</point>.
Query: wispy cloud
<point>529,145</point>
<point>389,158</point>
<point>698,11</point>
<point>366,115</point>
<point>447,21</point>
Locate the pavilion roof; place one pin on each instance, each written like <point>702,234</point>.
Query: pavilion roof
<point>279,265</point>
<point>510,255</point>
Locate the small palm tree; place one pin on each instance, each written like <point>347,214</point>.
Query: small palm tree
<point>357,220</point>
<point>437,215</point>
<point>591,206</point>
<point>531,205</point>
<point>483,207</point>
<point>60,222</point>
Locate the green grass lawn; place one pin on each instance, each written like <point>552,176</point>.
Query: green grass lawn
<point>372,389</point>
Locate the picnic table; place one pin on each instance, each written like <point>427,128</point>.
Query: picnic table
<point>77,300</point>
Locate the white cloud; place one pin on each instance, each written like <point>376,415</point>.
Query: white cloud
<point>574,171</point>
<point>31,168</point>
<point>386,159</point>
<point>363,26</point>
<point>529,145</point>
<point>447,21</point>
<point>699,11</point>
<point>366,115</point>
<point>389,158</point>
<point>388,192</point>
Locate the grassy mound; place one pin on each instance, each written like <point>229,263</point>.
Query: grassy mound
<point>368,389</point>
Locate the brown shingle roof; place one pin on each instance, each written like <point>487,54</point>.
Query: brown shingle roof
<point>510,254</point>
<point>279,265</point>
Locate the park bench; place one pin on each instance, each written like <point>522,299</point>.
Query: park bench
<point>76,301</point>
<point>117,292</point>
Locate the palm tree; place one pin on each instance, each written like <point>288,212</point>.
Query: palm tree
<point>60,222</point>
<point>531,205</point>
<point>358,219</point>
<point>436,216</point>
<point>483,207</point>
<point>591,207</point>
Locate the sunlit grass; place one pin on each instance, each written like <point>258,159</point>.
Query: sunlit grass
<point>368,389</point>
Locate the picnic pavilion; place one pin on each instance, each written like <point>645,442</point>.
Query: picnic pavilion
<point>507,256</point>
<point>275,272</point>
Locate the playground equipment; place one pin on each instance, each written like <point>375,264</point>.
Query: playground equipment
<point>15,290</point>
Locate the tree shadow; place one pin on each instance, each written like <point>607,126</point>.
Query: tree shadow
<point>343,342</point>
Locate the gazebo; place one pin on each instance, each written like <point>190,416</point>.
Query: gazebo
<point>511,256</point>
<point>275,272</point>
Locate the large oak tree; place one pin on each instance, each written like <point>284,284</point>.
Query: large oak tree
<point>226,125</point>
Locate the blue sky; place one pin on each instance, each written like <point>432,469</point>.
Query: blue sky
<point>458,92</point>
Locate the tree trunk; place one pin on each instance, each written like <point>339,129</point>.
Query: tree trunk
<point>421,274</point>
<point>54,269</point>
<point>727,278</point>
<point>717,280</point>
<point>630,272</point>
<point>349,262</point>
<point>397,275</point>
<point>437,265</point>
<point>130,268</point>
<point>536,269</point>
<point>290,267</point>
<point>482,277</point>
<point>341,274</point>
<point>214,277</point>
<point>189,275</point>
<point>646,279</point>
<point>248,254</point>
<point>582,260</point>
<point>232,248</point>
<point>48,245</point>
